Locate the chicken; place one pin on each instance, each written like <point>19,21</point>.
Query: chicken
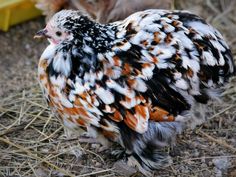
<point>133,82</point>
<point>100,10</point>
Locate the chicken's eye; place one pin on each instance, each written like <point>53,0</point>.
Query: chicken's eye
<point>58,33</point>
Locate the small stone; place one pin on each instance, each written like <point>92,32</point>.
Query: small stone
<point>206,173</point>
<point>218,173</point>
<point>203,160</point>
<point>27,46</point>
<point>40,172</point>
<point>203,165</point>
<point>221,163</point>
<point>196,153</point>
<point>97,164</point>
<point>95,146</point>
<point>121,167</point>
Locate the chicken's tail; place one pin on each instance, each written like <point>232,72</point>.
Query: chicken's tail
<point>147,151</point>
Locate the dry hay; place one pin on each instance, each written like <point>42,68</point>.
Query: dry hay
<point>32,141</point>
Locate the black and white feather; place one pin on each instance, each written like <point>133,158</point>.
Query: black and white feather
<point>134,82</point>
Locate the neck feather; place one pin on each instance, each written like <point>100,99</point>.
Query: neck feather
<point>77,56</point>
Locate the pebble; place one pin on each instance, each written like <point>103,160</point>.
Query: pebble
<point>196,153</point>
<point>95,146</point>
<point>221,163</point>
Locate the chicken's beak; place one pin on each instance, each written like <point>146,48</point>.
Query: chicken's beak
<point>41,34</point>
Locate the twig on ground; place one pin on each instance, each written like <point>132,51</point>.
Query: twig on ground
<point>218,141</point>
<point>96,172</point>
<point>36,157</point>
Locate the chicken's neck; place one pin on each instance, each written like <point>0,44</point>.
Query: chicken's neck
<point>98,37</point>
<point>78,56</point>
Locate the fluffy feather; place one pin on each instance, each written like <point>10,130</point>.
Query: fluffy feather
<point>135,82</point>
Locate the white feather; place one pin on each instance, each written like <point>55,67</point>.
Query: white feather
<point>142,122</point>
<point>79,88</point>
<point>60,81</point>
<point>130,104</point>
<point>105,95</point>
<point>93,109</point>
<point>49,52</point>
<point>148,71</point>
<point>140,85</point>
<point>182,84</point>
<point>62,65</point>
<point>64,101</point>
<point>124,91</point>
<point>203,29</point>
<point>147,56</point>
<point>209,58</point>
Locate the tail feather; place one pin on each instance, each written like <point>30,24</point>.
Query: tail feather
<point>146,151</point>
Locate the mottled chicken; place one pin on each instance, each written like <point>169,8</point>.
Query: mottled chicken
<point>134,82</point>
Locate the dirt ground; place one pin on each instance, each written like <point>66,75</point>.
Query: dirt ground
<point>19,56</point>
<point>32,141</point>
